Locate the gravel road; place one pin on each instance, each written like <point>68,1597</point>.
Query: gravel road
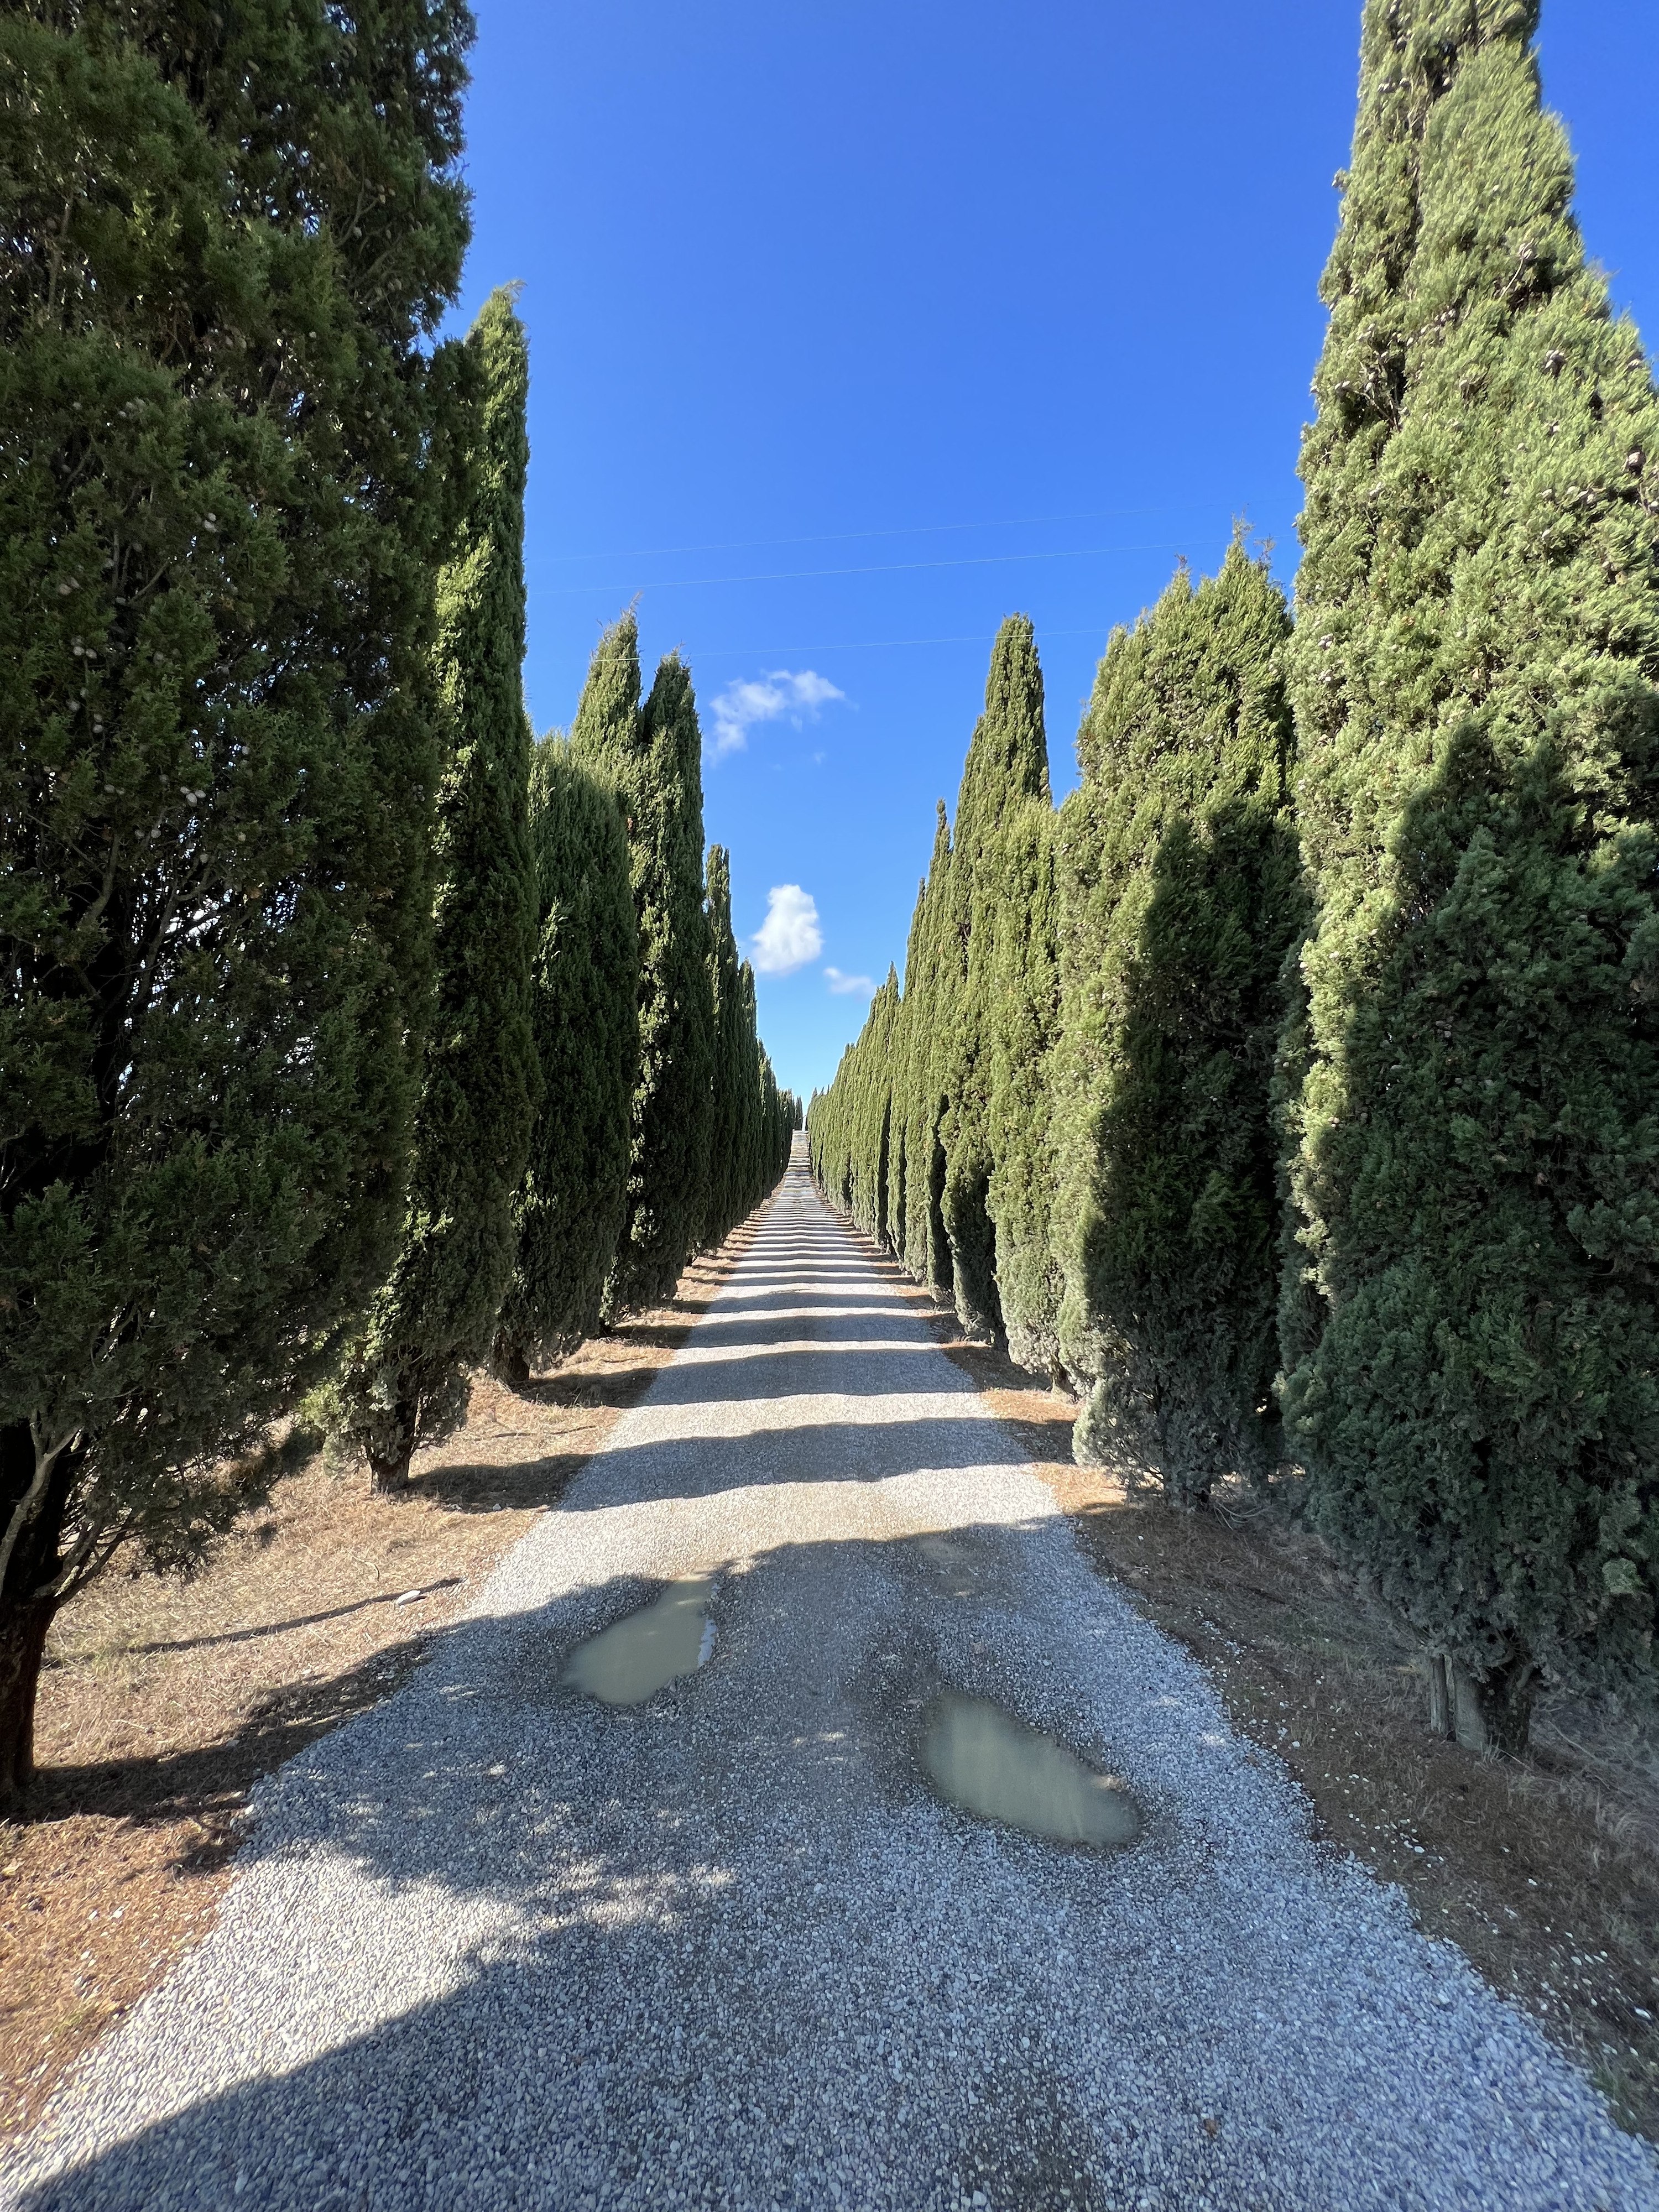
<point>498,1944</point>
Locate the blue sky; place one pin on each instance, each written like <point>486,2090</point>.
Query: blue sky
<point>855,327</point>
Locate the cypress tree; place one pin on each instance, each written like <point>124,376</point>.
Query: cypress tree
<point>731,1159</point>
<point>873,1193</point>
<point>926,1248</point>
<point>1473,1373</point>
<point>221,504</point>
<point>1007,763</point>
<point>1024,994</point>
<point>406,1376</point>
<point>572,1205</point>
<point>1180,899</point>
<point>653,756</point>
<point>751,1141</point>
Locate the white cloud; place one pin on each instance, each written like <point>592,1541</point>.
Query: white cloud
<point>844,985</point>
<point>764,699</point>
<point>790,936</point>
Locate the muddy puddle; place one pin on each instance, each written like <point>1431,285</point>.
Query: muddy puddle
<point>983,1761</point>
<point>635,1657</point>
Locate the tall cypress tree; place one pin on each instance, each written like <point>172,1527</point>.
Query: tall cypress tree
<point>1181,897</point>
<point>726,1200</point>
<point>873,1202</point>
<point>572,1205</point>
<point>1023,995</point>
<point>406,1376</point>
<point>654,756</point>
<point>751,1133</point>
<point>1007,763</point>
<point>222,505</point>
<point>1471,1345</point>
<point>926,1248</point>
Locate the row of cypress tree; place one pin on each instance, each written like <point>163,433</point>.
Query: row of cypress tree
<point>343,1033</point>
<point>1293,1088</point>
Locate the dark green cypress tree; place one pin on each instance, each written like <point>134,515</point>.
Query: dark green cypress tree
<point>926,1248</point>
<point>572,1205</point>
<point>1007,764</point>
<point>1471,1345</point>
<point>221,509</point>
<point>1024,994</point>
<point>1181,897</point>
<point>406,1376</point>
<point>653,757</point>
<point>872,1197</point>
<point>751,1139</point>
<point>730,1178</point>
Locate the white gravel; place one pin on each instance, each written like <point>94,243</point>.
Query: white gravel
<point>494,1945</point>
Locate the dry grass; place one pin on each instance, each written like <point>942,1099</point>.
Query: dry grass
<point>1544,1872</point>
<point>164,1702</point>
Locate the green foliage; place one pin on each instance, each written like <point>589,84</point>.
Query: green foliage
<point>406,1376</point>
<point>572,1205</point>
<point>653,757</point>
<point>934,1136</point>
<point>227,238</point>
<point>924,1245</point>
<point>734,1125</point>
<point>852,1123</point>
<point>1470,1339</point>
<point>1007,765</point>
<point>1179,898</point>
<point>1024,992</point>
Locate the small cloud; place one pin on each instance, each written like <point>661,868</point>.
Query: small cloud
<point>764,699</point>
<point>844,985</point>
<point>789,937</point>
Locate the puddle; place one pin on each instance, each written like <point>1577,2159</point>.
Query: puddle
<point>984,1760</point>
<point>635,1657</point>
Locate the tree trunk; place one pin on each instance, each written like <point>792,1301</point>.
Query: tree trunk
<point>22,1641</point>
<point>390,1448</point>
<point>36,1530</point>
<point>1493,1713</point>
<point>1440,1706</point>
<point>388,1472</point>
<point>510,1364</point>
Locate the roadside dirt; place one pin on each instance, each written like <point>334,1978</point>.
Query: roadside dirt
<point>1544,1872</point>
<point>164,1702</point>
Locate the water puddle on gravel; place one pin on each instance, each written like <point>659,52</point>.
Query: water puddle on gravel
<point>635,1657</point>
<point>983,1760</point>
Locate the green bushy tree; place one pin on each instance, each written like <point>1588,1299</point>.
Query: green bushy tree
<point>855,1132</point>
<point>572,1205</point>
<point>653,756</point>
<point>227,239</point>
<point>1007,765</point>
<point>1472,1362</point>
<point>1181,897</point>
<point>732,1149</point>
<point>1024,992</point>
<point>925,1247</point>
<point>406,1376</point>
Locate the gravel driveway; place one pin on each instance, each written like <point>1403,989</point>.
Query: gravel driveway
<point>498,1944</point>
